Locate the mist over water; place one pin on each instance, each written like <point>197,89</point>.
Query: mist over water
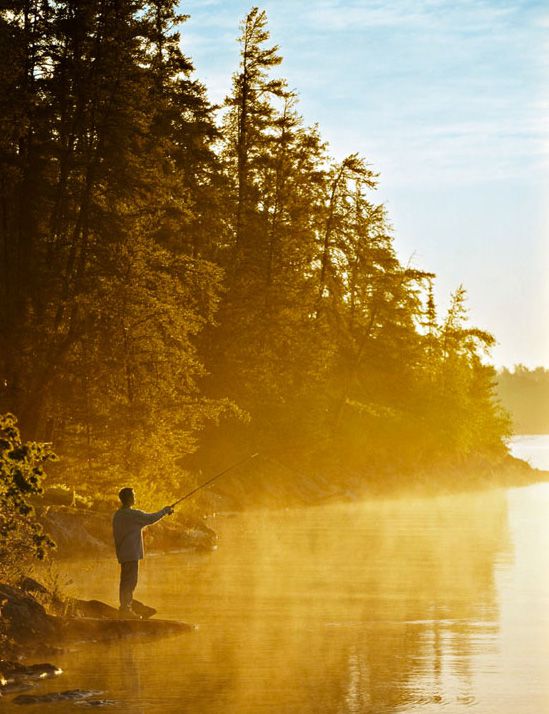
<point>423,605</point>
<point>533,448</point>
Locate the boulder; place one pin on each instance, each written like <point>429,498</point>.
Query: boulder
<point>100,610</point>
<point>22,685</point>
<point>23,619</point>
<point>78,532</point>
<point>17,677</point>
<point>26,623</point>
<point>10,671</point>
<point>91,608</point>
<point>187,533</point>
<point>71,695</point>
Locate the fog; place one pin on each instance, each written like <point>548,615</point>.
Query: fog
<point>380,606</point>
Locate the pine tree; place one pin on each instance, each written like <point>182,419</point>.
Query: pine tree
<point>163,267</point>
<point>113,288</point>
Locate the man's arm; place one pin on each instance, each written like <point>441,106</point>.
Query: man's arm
<point>147,519</point>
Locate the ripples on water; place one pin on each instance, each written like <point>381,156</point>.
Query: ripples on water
<point>433,605</point>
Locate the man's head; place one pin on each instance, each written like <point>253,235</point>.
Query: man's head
<point>126,496</point>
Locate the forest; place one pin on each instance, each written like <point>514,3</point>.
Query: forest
<point>183,283</point>
<point>524,393</point>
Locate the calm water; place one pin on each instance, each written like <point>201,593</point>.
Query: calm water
<point>435,605</point>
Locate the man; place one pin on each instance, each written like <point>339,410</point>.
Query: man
<point>127,526</point>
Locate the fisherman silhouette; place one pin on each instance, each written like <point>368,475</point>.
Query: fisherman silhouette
<point>127,526</point>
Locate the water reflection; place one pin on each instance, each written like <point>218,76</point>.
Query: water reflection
<point>381,607</point>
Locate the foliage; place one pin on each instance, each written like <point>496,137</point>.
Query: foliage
<point>525,394</point>
<point>106,178</point>
<point>180,278</point>
<point>21,474</point>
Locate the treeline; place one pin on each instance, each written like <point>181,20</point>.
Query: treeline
<point>178,277</point>
<point>525,395</point>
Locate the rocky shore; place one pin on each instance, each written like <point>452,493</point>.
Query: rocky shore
<point>29,627</point>
<point>332,481</point>
<point>17,677</point>
<point>28,631</point>
<point>36,623</point>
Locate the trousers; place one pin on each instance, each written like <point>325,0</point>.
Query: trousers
<point>128,581</point>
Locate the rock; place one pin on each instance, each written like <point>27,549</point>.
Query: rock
<point>24,619</point>
<point>85,629</point>
<point>92,608</point>
<point>100,610</point>
<point>82,608</point>
<point>11,671</point>
<point>78,693</point>
<point>189,533</point>
<point>26,622</point>
<point>13,687</point>
<point>78,532</point>
<point>69,695</point>
<point>44,670</point>
<point>57,496</point>
<point>30,585</point>
<point>17,677</point>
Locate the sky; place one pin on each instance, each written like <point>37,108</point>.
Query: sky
<point>449,101</point>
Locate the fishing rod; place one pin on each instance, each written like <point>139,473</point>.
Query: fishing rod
<point>214,478</point>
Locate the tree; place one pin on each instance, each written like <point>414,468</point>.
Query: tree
<point>525,394</point>
<point>111,290</point>
<point>165,265</point>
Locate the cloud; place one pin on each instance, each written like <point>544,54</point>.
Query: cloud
<point>474,15</point>
<point>445,89</point>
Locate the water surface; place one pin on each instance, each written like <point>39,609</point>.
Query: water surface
<point>426,605</point>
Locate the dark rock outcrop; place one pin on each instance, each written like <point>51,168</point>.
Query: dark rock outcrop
<point>100,610</point>
<point>17,677</point>
<point>79,608</point>
<point>179,535</point>
<point>78,695</point>
<point>78,532</point>
<point>26,623</point>
<point>16,670</point>
<point>24,620</point>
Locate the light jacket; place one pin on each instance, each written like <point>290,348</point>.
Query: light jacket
<point>127,526</point>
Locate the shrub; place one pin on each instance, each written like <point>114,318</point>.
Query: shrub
<point>21,474</point>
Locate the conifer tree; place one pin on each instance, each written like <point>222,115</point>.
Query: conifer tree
<point>111,289</point>
<point>163,265</point>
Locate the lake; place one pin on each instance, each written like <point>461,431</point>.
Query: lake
<point>424,605</point>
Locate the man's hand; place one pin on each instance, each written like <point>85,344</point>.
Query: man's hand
<point>169,510</point>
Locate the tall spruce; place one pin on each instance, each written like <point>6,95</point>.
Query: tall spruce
<point>107,289</point>
<point>163,264</point>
